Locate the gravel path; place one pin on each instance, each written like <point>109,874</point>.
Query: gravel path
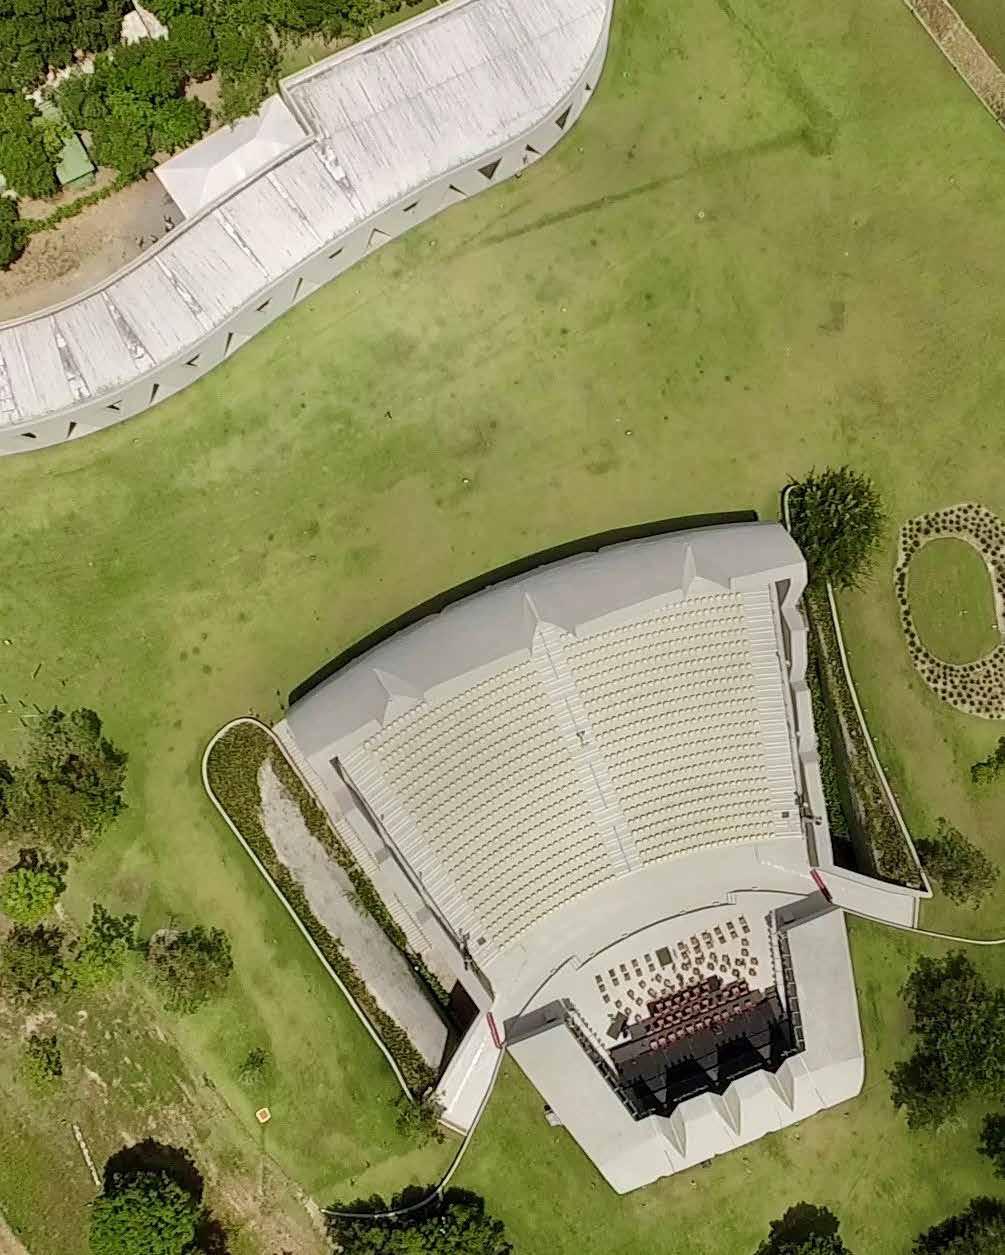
<point>333,900</point>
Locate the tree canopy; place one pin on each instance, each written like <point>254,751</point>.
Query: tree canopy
<point>959,1027</point>
<point>42,1062</point>
<point>457,1226</point>
<point>962,871</point>
<point>12,233</point>
<point>25,161</point>
<point>68,788</point>
<point>100,955</point>
<point>190,968</point>
<point>837,520</point>
<point>992,1143</point>
<point>804,1229</point>
<point>31,964</point>
<point>144,1213</point>
<point>979,1230</point>
<point>31,888</point>
<point>37,34</point>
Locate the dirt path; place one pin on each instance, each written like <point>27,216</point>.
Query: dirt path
<point>9,1244</point>
<point>81,251</point>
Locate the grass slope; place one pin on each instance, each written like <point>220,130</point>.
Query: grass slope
<point>952,602</point>
<point>762,249</point>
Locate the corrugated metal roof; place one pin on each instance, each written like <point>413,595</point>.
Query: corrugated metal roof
<point>386,117</point>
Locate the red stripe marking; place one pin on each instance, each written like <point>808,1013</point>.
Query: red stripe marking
<point>819,882</point>
<point>494,1030</point>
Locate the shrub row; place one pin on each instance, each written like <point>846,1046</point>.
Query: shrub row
<point>873,823</point>
<point>233,767</point>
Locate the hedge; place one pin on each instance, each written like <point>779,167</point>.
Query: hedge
<point>873,826</point>
<point>232,770</point>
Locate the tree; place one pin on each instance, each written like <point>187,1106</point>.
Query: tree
<point>42,1063</point>
<point>192,45</point>
<point>989,769</point>
<point>805,1229</point>
<point>457,1226</point>
<point>69,787</point>
<point>100,955</point>
<point>190,968</point>
<point>31,964</point>
<point>254,1068</point>
<point>963,872</point>
<point>31,888</point>
<point>959,1023</point>
<point>248,64</point>
<point>121,136</point>
<point>420,1121</point>
<point>979,1230</point>
<point>837,520</point>
<point>24,162</point>
<point>143,1213</point>
<point>992,1143</point>
<point>178,123</point>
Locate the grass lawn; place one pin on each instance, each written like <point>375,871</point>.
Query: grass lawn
<point>952,602</point>
<point>764,248</point>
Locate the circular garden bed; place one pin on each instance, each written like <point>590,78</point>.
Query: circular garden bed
<point>950,587</point>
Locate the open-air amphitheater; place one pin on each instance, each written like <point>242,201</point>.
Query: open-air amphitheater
<point>355,151</point>
<point>590,795</point>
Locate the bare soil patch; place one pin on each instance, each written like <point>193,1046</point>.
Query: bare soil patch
<point>82,251</point>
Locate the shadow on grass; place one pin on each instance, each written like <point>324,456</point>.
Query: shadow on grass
<point>798,1226</point>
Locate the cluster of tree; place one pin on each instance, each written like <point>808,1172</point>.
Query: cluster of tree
<point>962,871</point>
<point>26,158</point>
<point>837,520</point>
<point>36,35</point>
<point>62,795</point>
<point>455,1224</point>
<point>978,1230</point>
<point>134,104</point>
<point>40,962</point>
<point>959,1052</point>
<point>152,1204</point>
<point>809,1230</point>
<point>67,788</point>
<point>989,769</point>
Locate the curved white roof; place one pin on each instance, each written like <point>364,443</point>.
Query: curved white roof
<point>381,119</point>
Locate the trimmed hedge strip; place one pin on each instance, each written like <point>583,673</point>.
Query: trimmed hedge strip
<point>232,770</point>
<point>873,827</point>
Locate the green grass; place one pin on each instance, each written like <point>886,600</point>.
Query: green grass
<point>757,252</point>
<point>986,18</point>
<point>952,602</point>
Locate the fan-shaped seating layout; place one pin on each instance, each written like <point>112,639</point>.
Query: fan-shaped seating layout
<point>392,130</point>
<point>591,794</point>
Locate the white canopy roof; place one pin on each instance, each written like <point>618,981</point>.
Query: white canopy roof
<point>218,164</point>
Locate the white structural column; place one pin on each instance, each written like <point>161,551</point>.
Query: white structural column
<point>396,128</point>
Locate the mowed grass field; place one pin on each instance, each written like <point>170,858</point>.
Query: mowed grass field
<point>952,601</point>
<point>772,242</point>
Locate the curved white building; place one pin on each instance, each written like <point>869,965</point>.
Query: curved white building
<point>353,152</point>
<point>591,795</point>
